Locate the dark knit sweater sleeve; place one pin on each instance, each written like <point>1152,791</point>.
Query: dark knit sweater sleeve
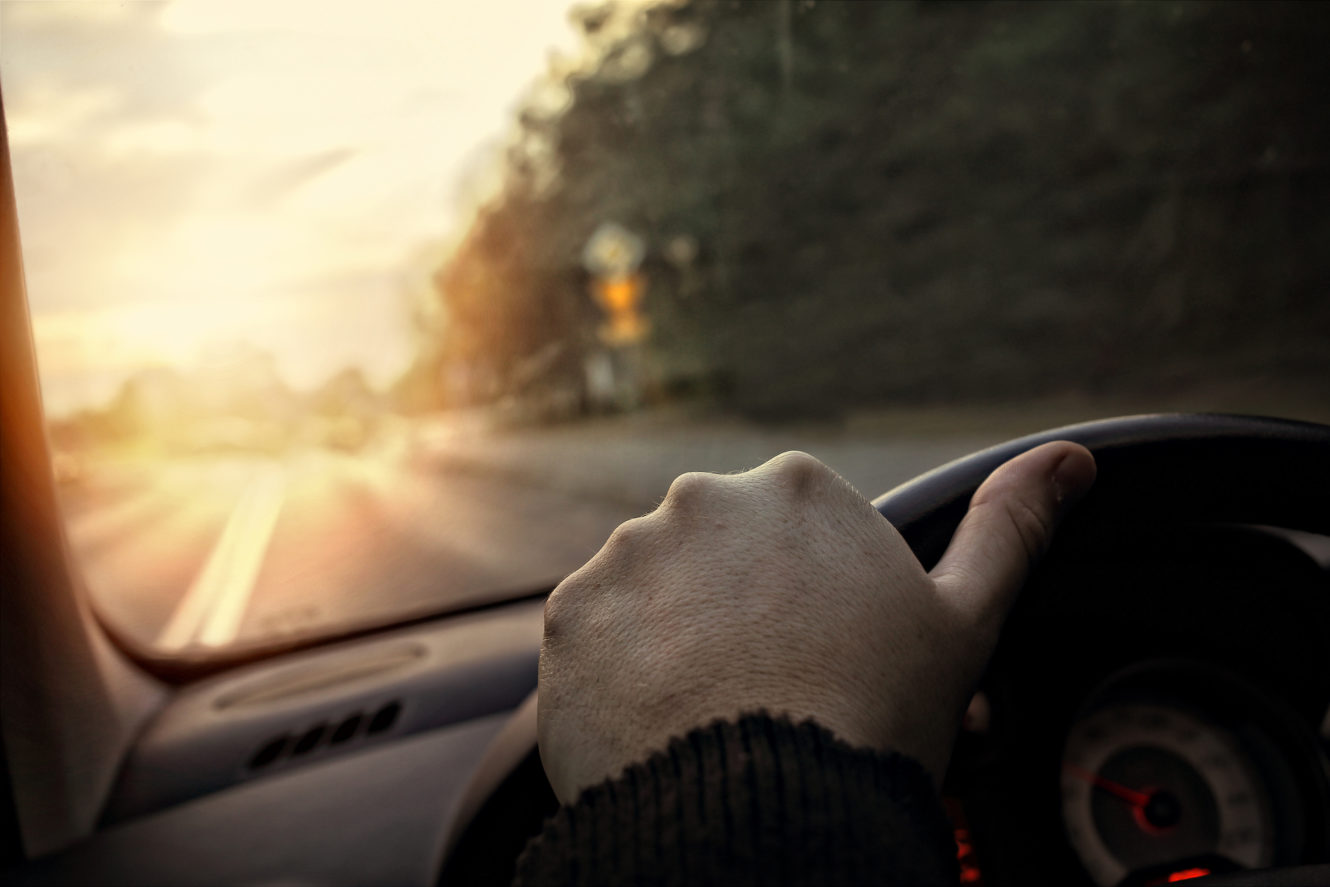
<point>755,801</point>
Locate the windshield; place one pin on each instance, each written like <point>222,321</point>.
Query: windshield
<point>348,313</point>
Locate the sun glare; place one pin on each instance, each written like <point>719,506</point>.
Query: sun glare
<point>195,175</point>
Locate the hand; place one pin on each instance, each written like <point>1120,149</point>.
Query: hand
<point>783,589</point>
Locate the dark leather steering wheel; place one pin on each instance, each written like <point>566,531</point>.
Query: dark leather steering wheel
<point>1154,469</point>
<point>1157,468</point>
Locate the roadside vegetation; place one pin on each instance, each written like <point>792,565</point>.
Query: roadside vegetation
<point>849,205</point>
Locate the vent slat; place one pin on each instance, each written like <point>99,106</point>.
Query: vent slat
<point>296,744</point>
<point>384,718</point>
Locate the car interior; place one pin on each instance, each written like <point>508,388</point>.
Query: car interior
<point>1178,628</point>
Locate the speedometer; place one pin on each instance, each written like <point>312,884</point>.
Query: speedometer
<point>1147,785</point>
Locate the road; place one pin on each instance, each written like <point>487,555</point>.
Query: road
<point>214,550</point>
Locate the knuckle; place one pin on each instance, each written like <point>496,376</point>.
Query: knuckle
<point>799,469</point>
<point>570,598</point>
<point>627,535</point>
<point>690,488</point>
<point>556,610</point>
<point>631,540</point>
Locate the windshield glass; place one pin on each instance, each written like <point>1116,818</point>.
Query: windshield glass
<point>351,312</point>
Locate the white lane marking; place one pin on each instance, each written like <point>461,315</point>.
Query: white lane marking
<point>211,611</point>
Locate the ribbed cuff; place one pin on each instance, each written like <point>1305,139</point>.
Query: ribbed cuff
<point>756,801</point>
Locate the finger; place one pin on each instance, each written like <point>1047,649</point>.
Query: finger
<point>1010,524</point>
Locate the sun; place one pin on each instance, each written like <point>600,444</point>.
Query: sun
<point>215,279</point>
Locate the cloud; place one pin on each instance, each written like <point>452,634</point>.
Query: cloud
<point>44,114</point>
<point>287,177</point>
<point>208,158</point>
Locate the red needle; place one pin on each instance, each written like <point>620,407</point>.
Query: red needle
<point>1132,797</point>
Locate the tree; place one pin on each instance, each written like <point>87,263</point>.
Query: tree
<point>917,201</point>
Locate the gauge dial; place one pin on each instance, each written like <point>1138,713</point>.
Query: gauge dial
<point>1144,785</point>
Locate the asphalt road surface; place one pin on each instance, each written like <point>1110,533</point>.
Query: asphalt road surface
<point>218,549</point>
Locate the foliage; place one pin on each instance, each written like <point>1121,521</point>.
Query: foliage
<point>921,201</point>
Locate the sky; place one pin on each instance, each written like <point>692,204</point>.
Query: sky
<point>283,173</point>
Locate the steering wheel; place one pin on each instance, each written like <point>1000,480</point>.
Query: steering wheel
<point>1153,470</point>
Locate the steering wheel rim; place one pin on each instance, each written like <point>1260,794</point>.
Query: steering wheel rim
<point>1151,468</point>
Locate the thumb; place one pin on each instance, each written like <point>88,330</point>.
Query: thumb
<point>1010,524</point>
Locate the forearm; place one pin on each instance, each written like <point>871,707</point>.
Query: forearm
<point>759,800</point>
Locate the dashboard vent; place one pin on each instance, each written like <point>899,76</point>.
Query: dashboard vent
<point>384,718</point>
<point>309,740</point>
<point>346,731</point>
<point>269,752</point>
<point>300,744</point>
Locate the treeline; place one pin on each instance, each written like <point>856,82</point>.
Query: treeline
<point>847,203</point>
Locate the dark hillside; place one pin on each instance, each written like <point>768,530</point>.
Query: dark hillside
<point>907,202</point>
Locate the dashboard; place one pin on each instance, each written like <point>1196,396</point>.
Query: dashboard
<point>1155,712</point>
<point>198,802</point>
